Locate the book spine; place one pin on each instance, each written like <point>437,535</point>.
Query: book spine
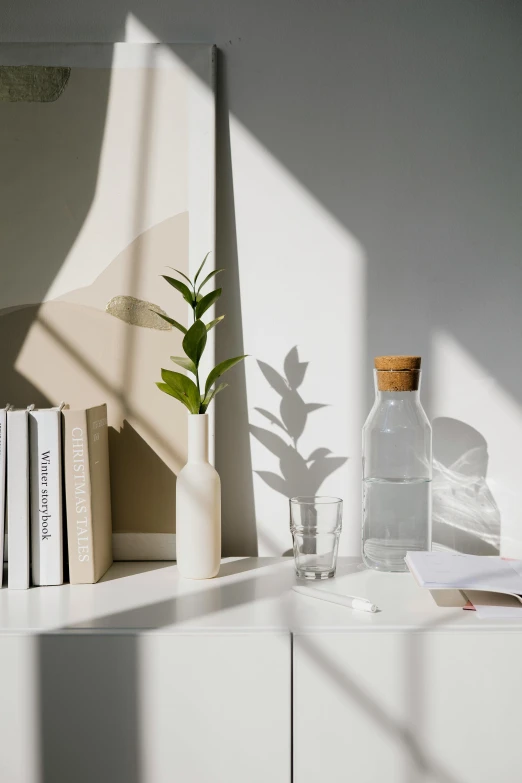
<point>3,486</point>
<point>46,497</point>
<point>100,489</point>
<point>18,500</point>
<point>78,498</point>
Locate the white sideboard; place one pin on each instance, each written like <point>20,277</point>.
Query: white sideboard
<point>414,694</point>
<point>148,678</point>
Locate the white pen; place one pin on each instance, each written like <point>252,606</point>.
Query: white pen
<point>360,604</point>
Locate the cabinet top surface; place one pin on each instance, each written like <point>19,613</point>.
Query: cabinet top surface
<point>250,595</point>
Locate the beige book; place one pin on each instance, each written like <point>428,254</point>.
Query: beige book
<point>87,494</point>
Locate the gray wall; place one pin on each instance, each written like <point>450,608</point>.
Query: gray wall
<point>403,120</point>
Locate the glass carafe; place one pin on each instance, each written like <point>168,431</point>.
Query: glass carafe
<point>397,467</point>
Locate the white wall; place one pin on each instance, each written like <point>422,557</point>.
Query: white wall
<point>370,192</point>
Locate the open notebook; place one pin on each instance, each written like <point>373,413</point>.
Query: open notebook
<point>493,585</point>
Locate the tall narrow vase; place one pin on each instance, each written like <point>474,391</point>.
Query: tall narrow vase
<point>198,507</point>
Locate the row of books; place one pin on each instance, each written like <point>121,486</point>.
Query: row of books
<point>55,495</point>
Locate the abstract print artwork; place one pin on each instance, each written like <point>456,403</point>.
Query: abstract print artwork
<point>107,179</point>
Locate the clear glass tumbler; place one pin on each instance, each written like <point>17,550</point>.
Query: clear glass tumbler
<point>316,524</point>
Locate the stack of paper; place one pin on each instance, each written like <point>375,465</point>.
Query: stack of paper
<point>493,585</point>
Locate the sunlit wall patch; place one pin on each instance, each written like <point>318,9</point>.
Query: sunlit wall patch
<point>32,83</point>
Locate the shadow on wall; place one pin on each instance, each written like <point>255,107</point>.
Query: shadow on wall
<point>142,484</point>
<point>466,517</point>
<point>233,459</point>
<point>47,188</point>
<point>299,474</point>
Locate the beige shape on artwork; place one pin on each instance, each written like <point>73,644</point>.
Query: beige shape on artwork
<point>71,349</point>
<point>78,354</point>
<point>137,312</point>
<point>32,83</point>
<point>136,271</point>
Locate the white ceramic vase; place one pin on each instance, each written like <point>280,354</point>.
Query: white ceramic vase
<point>198,507</point>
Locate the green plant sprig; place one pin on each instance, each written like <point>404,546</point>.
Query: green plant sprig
<point>180,386</point>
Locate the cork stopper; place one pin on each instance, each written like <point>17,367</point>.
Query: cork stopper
<point>397,362</point>
<point>398,373</point>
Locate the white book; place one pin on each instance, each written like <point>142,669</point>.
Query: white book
<point>454,570</point>
<point>3,444</point>
<point>45,442</point>
<point>18,499</point>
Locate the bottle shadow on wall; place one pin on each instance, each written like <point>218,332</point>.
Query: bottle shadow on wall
<point>299,474</point>
<point>466,517</point>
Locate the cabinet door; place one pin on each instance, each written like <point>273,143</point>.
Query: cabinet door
<point>215,708</point>
<point>69,709</point>
<point>158,708</point>
<point>437,707</point>
<point>20,726</point>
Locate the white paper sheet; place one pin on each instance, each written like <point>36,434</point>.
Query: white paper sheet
<point>467,572</point>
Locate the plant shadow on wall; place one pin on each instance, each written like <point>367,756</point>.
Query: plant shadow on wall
<point>299,474</point>
<point>466,517</point>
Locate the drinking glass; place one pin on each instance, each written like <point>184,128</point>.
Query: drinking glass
<point>315,523</point>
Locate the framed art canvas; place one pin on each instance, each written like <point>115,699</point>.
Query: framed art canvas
<point>108,179</point>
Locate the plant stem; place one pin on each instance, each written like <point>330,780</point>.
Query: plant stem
<point>197,369</point>
<point>197,383</point>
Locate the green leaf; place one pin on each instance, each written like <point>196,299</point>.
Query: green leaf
<point>180,273</point>
<point>220,369</point>
<point>210,396</point>
<point>170,321</point>
<point>207,301</point>
<point>187,364</point>
<point>181,287</point>
<point>213,323</point>
<point>201,267</point>
<point>195,340</point>
<point>184,387</point>
<point>164,387</point>
<point>207,278</point>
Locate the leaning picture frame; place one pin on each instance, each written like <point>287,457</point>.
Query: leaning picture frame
<point>108,179</point>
